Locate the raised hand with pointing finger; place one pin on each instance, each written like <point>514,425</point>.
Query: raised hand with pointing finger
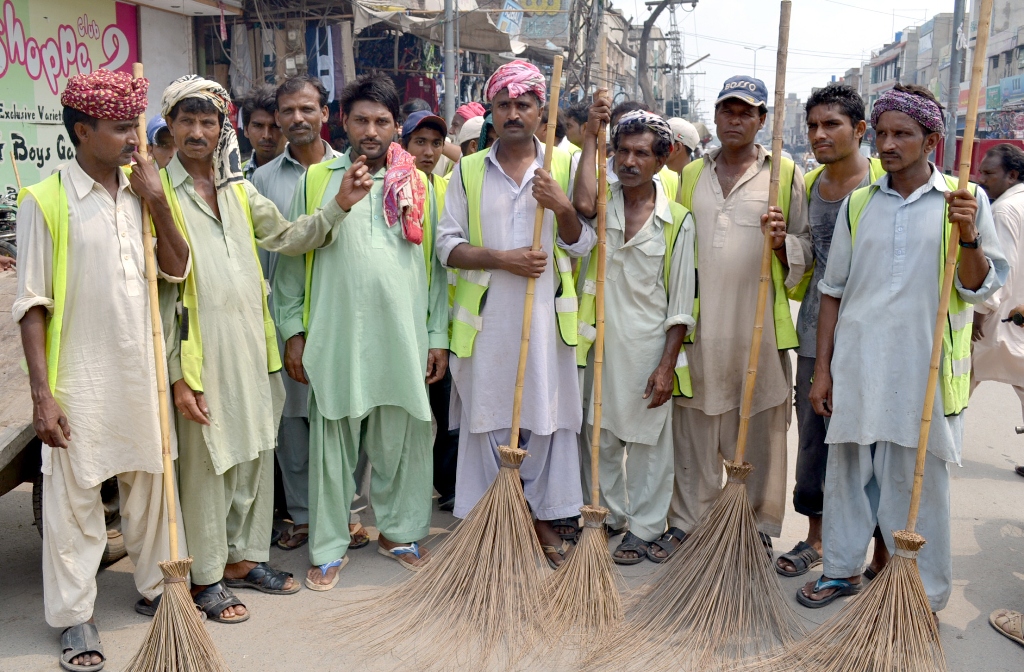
<point>356,184</point>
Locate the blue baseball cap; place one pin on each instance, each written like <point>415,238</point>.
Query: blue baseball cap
<point>424,118</point>
<point>750,90</point>
<point>153,127</point>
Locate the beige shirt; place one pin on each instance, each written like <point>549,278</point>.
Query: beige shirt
<point>729,245</point>
<point>230,286</point>
<point>639,309</point>
<point>106,373</point>
<point>999,354</point>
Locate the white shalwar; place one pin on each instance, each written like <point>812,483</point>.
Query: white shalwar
<point>889,294</point>
<point>551,397</point>
<point>636,455</point>
<point>999,354</point>
<point>106,386</point>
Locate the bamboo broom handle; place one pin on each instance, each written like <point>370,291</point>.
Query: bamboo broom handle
<point>17,176</point>
<point>538,225</point>
<point>977,72</point>
<point>766,252</point>
<point>158,349</point>
<point>602,251</point>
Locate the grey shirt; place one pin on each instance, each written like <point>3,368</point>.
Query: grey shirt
<point>822,215</point>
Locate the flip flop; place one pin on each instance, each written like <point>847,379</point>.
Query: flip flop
<point>803,557</point>
<point>214,599</point>
<point>293,534</point>
<point>843,588</point>
<point>78,640</point>
<point>324,587</point>
<point>265,579</point>
<point>396,553</point>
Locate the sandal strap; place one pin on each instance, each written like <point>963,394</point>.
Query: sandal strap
<point>631,542</point>
<point>81,639</point>
<point>412,548</point>
<point>216,598</point>
<point>327,565</point>
<point>839,584</point>
<point>268,577</point>
<point>802,556</point>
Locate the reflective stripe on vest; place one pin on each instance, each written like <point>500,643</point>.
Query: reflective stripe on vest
<point>955,371</point>
<point>471,286</point>
<point>875,171</point>
<point>191,334</point>
<point>586,328</point>
<point>315,182</point>
<point>785,331</point>
<point>53,203</point>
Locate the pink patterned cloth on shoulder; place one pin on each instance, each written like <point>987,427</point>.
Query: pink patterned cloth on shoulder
<point>404,194</point>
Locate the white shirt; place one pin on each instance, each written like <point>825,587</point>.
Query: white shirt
<point>551,398</point>
<point>638,312</point>
<point>999,354</point>
<point>106,375</point>
<point>889,292</point>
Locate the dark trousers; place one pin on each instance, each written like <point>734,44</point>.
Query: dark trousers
<point>446,442</point>
<point>812,451</point>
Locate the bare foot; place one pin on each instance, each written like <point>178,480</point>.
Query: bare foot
<point>407,558</point>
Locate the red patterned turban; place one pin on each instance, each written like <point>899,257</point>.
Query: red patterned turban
<point>104,94</point>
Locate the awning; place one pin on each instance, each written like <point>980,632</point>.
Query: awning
<point>476,31</point>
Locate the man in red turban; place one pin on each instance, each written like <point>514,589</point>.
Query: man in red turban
<point>83,308</point>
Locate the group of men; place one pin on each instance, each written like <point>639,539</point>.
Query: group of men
<point>388,281</point>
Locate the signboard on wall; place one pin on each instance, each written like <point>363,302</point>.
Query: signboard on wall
<point>42,44</point>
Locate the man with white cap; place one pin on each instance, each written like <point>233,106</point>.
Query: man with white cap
<point>468,137</point>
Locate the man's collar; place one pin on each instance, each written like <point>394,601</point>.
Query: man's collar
<point>286,155</point>
<point>537,144</point>
<point>83,183</point>
<point>176,172</point>
<point>1015,190</point>
<point>712,156</point>
<point>935,181</point>
<point>662,209</point>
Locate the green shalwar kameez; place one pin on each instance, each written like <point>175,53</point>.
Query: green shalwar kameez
<point>225,470</point>
<point>372,318</point>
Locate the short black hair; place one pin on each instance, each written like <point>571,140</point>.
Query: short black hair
<point>628,106</point>
<point>261,97</point>
<point>414,105</point>
<point>296,84</point>
<point>193,105</point>
<point>1010,157</point>
<point>163,136</point>
<point>661,146</point>
<point>559,125</point>
<point>917,90</point>
<point>376,88</point>
<point>578,112</point>
<point>842,96</point>
<point>72,117</point>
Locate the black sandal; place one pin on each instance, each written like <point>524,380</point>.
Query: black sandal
<point>665,543</point>
<point>149,608</point>
<point>79,640</point>
<point>214,599</point>
<point>572,524</point>
<point>265,579</point>
<point>633,543</point>
<point>803,557</point>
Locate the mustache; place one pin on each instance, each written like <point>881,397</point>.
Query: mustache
<point>301,126</point>
<point>512,123</point>
<point>128,149</point>
<point>196,143</point>
<point>625,170</point>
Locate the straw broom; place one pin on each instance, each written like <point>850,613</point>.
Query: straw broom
<point>481,595</point>
<point>177,641</point>
<point>585,596</point>
<point>718,598</point>
<point>889,626</point>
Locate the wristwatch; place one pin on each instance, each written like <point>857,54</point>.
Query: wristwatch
<point>973,245</point>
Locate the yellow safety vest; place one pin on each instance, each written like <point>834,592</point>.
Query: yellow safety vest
<point>955,371</point>
<point>785,331</point>
<point>587,330</point>
<point>191,335</point>
<point>471,286</point>
<point>875,171</point>
<point>316,180</point>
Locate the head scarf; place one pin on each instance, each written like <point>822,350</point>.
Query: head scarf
<point>104,94</point>
<point>404,193</point>
<point>518,77</point>
<point>654,123</point>
<point>227,160</point>
<point>470,110</point>
<point>922,110</point>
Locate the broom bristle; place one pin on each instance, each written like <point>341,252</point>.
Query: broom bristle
<point>177,641</point>
<point>586,600</point>
<point>716,601</point>
<point>886,628</point>
<point>480,596</point>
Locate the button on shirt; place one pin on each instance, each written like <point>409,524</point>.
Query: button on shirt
<point>889,294</point>
<point>106,374</point>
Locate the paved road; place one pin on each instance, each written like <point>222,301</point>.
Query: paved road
<point>289,633</point>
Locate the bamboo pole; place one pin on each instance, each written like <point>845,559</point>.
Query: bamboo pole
<point>538,226</point>
<point>766,252</point>
<point>14,164</point>
<point>952,250</point>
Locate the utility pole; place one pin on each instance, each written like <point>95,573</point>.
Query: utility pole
<point>958,34</point>
<point>755,50</point>
<point>450,64</point>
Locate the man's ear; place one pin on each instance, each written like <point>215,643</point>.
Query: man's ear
<point>860,129</point>
<point>473,145</point>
